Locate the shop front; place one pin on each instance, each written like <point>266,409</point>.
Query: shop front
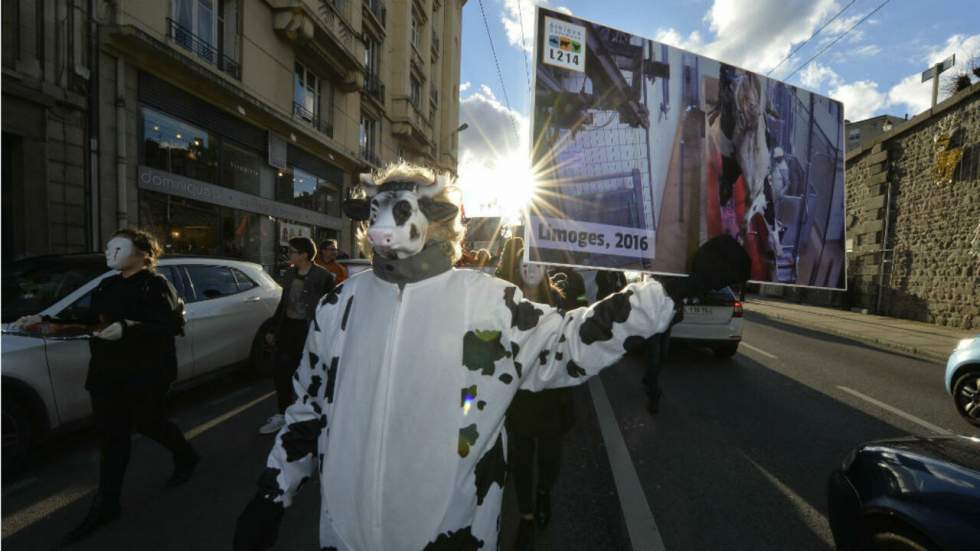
<point>210,191</point>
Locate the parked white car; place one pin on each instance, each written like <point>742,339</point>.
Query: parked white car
<point>228,305</point>
<point>963,379</point>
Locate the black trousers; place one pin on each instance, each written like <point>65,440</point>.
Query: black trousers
<point>654,356</point>
<point>119,411</point>
<point>523,452</point>
<point>289,349</point>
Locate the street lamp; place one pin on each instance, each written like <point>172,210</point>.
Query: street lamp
<point>462,127</point>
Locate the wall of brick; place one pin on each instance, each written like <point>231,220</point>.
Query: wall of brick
<point>910,234</point>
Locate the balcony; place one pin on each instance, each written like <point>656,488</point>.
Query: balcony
<point>410,124</point>
<point>323,30</point>
<point>375,88</point>
<point>370,157</point>
<point>203,49</point>
<point>377,11</point>
<point>306,116</point>
<point>434,97</point>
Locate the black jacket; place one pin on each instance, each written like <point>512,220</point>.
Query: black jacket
<point>318,282</point>
<point>146,355</point>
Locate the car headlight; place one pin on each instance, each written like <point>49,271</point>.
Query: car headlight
<point>965,343</point>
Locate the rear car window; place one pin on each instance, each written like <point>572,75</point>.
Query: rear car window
<point>244,282</point>
<point>211,282</point>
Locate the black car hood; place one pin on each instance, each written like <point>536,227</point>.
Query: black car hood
<point>963,451</point>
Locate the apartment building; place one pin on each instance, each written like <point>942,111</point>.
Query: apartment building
<point>224,126</point>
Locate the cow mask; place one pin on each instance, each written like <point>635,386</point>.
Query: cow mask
<point>399,214</point>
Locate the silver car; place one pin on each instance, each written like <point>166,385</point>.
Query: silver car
<point>229,303</point>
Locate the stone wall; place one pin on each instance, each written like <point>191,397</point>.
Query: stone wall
<point>913,205</point>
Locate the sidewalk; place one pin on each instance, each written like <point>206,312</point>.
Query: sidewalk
<point>922,340</point>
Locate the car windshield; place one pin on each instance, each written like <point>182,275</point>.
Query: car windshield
<point>33,284</point>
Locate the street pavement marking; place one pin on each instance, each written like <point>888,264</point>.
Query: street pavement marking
<point>642,528</point>
<point>758,350</point>
<point>907,416</point>
<point>814,520</point>
<point>49,505</point>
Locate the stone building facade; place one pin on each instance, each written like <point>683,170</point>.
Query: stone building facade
<point>913,208</point>
<point>225,126</point>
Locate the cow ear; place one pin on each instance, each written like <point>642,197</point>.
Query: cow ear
<point>437,211</point>
<point>357,209</point>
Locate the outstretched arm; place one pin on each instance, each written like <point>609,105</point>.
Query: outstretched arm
<point>558,349</point>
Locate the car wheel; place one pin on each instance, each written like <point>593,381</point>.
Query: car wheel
<point>18,433</point>
<point>966,394</point>
<point>895,537</point>
<point>263,354</point>
<point>726,350</point>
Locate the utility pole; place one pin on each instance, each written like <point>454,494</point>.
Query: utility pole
<point>934,72</point>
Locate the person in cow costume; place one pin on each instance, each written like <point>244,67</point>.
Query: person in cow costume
<point>409,369</point>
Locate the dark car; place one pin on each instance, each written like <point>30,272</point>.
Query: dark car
<point>908,494</point>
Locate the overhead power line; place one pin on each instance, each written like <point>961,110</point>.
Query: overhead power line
<point>812,36</point>
<point>500,75</point>
<point>836,40</point>
<point>527,67</point>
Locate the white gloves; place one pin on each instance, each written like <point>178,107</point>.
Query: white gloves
<point>113,332</point>
<point>27,321</point>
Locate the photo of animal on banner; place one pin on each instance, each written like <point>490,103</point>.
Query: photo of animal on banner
<point>645,151</point>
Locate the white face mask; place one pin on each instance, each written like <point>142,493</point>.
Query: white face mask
<point>532,274</point>
<point>117,252</point>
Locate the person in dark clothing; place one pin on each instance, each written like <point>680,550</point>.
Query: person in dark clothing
<point>134,317</point>
<point>536,421</point>
<point>608,282</point>
<point>305,283</point>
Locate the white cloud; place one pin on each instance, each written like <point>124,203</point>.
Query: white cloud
<point>671,37</point>
<point>518,21</point>
<point>465,86</point>
<point>914,95</point>
<point>814,75</point>
<point>861,99</point>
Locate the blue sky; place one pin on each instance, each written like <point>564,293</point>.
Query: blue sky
<point>873,70</point>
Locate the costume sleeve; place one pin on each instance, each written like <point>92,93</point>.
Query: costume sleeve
<point>295,455</point>
<point>556,349</point>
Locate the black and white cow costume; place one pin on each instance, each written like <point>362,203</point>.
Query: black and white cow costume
<point>406,377</point>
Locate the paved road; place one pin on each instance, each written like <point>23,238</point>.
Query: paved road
<point>739,456</point>
<point>737,459</point>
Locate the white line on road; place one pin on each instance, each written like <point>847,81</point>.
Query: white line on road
<point>642,528</point>
<point>49,505</point>
<point>758,350</point>
<point>907,416</point>
<point>814,520</point>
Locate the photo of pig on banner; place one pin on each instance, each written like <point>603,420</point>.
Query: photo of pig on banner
<point>645,151</point>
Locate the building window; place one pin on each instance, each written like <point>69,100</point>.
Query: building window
<point>175,146</point>
<point>854,134</point>
<point>369,139</point>
<point>372,61</point>
<point>309,191</point>
<point>309,94</point>
<point>208,28</point>
<point>416,30</point>
<point>416,92</point>
<point>245,171</point>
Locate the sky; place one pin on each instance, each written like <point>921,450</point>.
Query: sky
<point>874,69</point>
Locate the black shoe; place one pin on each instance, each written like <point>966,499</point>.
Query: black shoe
<point>183,469</point>
<point>102,512</point>
<point>542,513</point>
<point>525,535</point>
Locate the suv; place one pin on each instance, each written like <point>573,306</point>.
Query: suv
<point>713,320</point>
<point>228,304</point>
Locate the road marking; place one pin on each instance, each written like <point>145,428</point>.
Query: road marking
<point>907,416</point>
<point>814,520</point>
<point>642,528</point>
<point>759,350</point>
<point>51,504</point>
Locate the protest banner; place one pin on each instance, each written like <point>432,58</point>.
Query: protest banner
<point>644,151</point>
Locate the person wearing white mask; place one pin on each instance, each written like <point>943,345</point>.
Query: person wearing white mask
<point>133,362</point>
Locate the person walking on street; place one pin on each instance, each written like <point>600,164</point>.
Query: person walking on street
<point>536,421</point>
<point>135,316</point>
<point>327,258</point>
<point>305,283</point>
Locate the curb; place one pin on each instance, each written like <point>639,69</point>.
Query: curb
<point>888,346</point>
